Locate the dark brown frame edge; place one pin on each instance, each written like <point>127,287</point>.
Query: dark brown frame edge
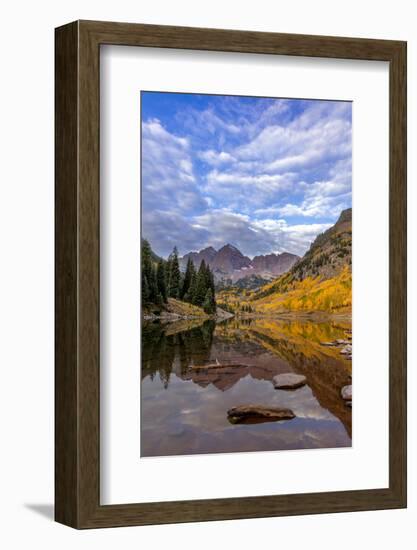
<point>77,374</point>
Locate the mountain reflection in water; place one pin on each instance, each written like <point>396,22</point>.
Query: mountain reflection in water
<point>184,410</point>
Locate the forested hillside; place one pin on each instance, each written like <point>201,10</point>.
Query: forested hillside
<point>162,280</point>
<point>320,281</point>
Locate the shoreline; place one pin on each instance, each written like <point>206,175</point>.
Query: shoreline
<point>312,315</point>
<point>169,317</point>
<point>315,316</point>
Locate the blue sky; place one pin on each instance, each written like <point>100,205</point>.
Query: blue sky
<point>263,174</point>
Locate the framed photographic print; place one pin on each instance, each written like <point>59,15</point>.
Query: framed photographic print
<point>230,274</point>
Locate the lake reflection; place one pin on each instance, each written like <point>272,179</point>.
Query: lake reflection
<point>184,410</point>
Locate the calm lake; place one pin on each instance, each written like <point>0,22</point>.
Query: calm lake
<point>184,411</point>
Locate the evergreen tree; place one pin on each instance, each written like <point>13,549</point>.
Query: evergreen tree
<point>168,269</point>
<point>146,271</point>
<point>161,281</point>
<point>189,296</point>
<point>185,287</point>
<point>208,303</point>
<point>153,286</point>
<point>211,281</point>
<point>201,285</point>
<point>174,284</point>
<point>207,277</point>
<point>145,288</point>
<point>211,287</point>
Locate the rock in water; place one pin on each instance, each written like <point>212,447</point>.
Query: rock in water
<point>218,366</point>
<point>347,350</point>
<point>346,393</point>
<point>247,413</point>
<point>289,381</point>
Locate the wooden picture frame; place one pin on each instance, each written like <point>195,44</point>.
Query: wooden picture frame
<point>77,374</point>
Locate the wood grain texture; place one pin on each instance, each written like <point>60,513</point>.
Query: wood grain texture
<point>398,273</point>
<point>66,237</point>
<point>78,284</point>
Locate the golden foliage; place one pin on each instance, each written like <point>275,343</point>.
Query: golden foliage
<point>296,339</point>
<point>311,294</point>
<point>184,308</point>
<point>233,299</point>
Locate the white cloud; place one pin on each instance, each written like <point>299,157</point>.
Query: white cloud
<point>292,238</point>
<point>186,166</point>
<point>269,211</point>
<point>262,167</point>
<point>167,170</point>
<point>218,227</point>
<point>213,158</point>
<point>153,129</point>
<point>321,199</point>
<point>277,155</point>
<point>207,123</point>
<point>213,122</point>
<point>320,207</point>
<point>286,147</point>
<point>266,182</point>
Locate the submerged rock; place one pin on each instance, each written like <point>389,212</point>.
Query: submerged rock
<point>248,413</point>
<point>346,393</point>
<point>289,381</point>
<point>220,366</point>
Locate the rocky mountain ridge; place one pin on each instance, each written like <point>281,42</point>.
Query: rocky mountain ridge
<point>228,263</point>
<point>329,253</point>
<point>320,281</point>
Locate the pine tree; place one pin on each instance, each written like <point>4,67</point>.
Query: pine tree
<point>168,269</point>
<point>210,277</point>
<point>146,271</point>
<point>208,303</point>
<point>207,277</point>
<point>190,270</point>
<point>189,296</point>
<point>201,286</point>
<point>153,286</point>
<point>145,288</point>
<point>211,281</point>
<point>174,284</point>
<point>161,281</point>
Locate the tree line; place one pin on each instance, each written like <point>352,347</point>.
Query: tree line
<point>162,279</point>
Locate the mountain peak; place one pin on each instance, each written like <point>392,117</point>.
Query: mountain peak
<point>228,259</point>
<point>229,262</point>
<point>230,247</point>
<point>330,252</point>
<point>345,216</point>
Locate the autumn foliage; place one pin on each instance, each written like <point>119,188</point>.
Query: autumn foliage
<point>311,294</point>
